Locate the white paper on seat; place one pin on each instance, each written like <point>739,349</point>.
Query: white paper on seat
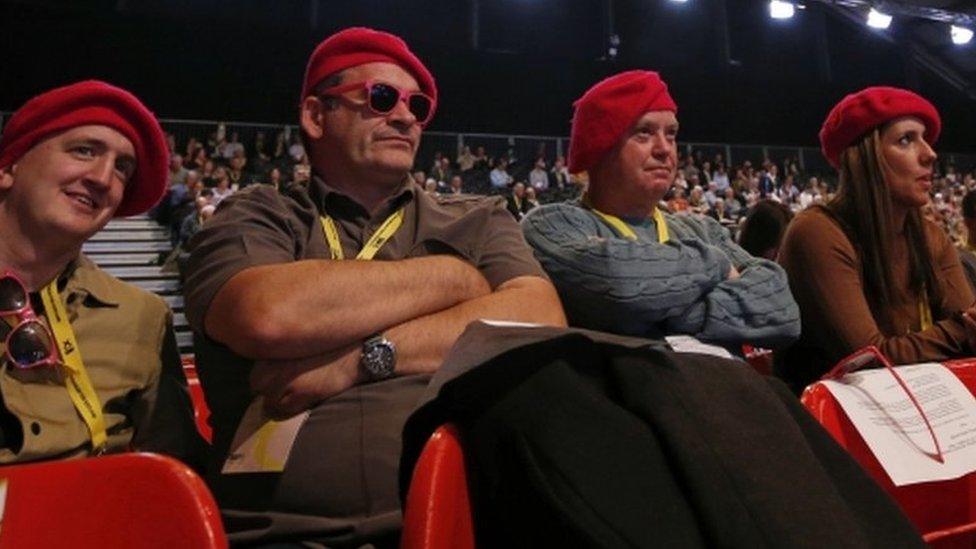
<point>895,431</point>
<point>261,444</point>
<point>689,344</point>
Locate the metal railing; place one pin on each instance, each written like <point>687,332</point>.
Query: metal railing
<point>522,147</point>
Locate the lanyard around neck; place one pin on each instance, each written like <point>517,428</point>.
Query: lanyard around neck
<point>373,245</point>
<point>77,382</point>
<point>924,311</point>
<point>623,229</point>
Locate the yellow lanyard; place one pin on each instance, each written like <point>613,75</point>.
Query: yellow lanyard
<point>624,229</point>
<point>925,312</point>
<point>373,245</point>
<point>76,381</point>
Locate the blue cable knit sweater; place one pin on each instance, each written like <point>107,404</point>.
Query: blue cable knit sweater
<point>649,289</point>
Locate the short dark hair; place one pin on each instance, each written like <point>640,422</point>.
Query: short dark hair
<point>764,227</point>
<point>969,205</point>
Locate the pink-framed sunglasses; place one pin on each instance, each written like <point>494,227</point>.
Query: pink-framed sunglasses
<point>30,343</point>
<point>382,98</point>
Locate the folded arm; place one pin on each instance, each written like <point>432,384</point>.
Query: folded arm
<point>310,307</point>
<point>756,307</point>
<point>291,386</point>
<point>615,284</point>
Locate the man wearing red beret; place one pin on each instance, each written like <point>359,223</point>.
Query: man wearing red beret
<point>623,266</point>
<point>290,327</point>
<point>90,364</point>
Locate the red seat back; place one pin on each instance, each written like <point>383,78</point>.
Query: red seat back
<point>201,413</point>
<point>943,511</point>
<point>125,500</point>
<point>438,511</point>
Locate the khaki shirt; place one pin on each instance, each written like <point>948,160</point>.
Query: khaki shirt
<point>260,226</point>
<point>129,350</point>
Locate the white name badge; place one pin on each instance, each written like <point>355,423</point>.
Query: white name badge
<point>262,444</point>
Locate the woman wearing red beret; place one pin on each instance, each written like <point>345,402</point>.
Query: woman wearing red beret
<point>867,268</point>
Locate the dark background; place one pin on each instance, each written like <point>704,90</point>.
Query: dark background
<point>750,80</point>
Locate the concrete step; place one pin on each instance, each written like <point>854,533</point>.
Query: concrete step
<point>179,322</point>
<point>184,340</point>
<point>132,225</point>
<point>155,285</point>
<point>131,273</point>
<point>127,260</point>
<point>175,301</point>
<point>134,222</point>
<point>131,236</point>
<point>127,247</point>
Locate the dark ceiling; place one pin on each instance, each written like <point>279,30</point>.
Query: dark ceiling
<point>506,66</point>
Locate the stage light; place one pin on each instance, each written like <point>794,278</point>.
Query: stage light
<point>960,35</point>
<point>778,9</point>
<point>679,1</point>
<point>878,20</point>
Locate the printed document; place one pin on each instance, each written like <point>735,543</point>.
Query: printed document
<point>894,430</point>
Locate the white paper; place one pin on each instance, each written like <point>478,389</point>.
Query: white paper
<point>261,444</point>
<point>895,431</point>
<point>689,344</point>
<point>510,323</point>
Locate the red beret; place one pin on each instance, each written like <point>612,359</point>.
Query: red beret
<point>357,46</point>
<point>608,109</point>
<point>861,112</point>
<point>95,103</point>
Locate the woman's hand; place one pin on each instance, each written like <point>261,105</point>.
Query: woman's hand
<point>969,321</point>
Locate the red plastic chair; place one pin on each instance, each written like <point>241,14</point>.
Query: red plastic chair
<point>944,511</point>
<point>201,413</point>
<point>125,500</point>
<point>438,511</point>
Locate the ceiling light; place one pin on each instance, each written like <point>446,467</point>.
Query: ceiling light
<point>960,35</point>
<point>878,20</point>
<point>778,9</point>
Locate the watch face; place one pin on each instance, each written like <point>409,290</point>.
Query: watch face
<point>379,359</point>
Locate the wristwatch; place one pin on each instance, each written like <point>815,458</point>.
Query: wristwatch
<point>379,357</point>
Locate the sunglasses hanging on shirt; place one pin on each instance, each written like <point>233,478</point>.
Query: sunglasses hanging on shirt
<point>29,342</point>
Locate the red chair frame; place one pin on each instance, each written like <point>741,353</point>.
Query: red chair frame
<point>437,514</point>
<point>944,511</point>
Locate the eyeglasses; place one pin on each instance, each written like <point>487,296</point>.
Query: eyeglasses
<point>29,343</point>
<point>382,98</point>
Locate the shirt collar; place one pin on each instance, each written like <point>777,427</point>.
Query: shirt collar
<point>340,206</point>
<point>82,276</point>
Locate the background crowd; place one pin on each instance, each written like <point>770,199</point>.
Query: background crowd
<point>204,171</point>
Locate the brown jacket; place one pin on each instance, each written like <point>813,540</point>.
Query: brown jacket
<point>825,276</point>
<point>129,350</point>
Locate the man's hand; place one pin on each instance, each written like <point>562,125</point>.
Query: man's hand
<point>733,273</point>
<point>292,386</point>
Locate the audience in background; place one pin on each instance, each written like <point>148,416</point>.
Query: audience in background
<point>740,186</point>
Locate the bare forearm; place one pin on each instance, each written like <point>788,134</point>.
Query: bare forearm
<point>309,307</point>
<point>423,343</point>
